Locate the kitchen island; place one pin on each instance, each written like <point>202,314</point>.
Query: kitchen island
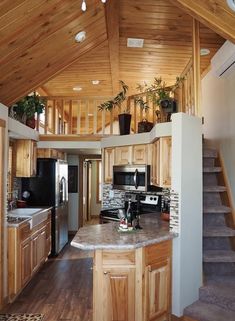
<point>131,270</point>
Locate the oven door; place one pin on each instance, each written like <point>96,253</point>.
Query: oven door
<point>131,178</point>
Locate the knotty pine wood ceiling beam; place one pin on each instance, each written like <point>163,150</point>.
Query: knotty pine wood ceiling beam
<point>112,23</point>
<point>215,14</point>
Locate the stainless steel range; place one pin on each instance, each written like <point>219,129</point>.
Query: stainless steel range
<point>148,203</point>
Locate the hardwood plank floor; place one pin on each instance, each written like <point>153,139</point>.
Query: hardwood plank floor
<point>61,290</point>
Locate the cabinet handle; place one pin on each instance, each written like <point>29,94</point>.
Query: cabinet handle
<point>106,272</point>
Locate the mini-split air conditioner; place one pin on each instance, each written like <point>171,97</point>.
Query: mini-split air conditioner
<point>223,62</point>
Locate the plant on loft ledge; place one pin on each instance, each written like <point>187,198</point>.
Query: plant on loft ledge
<point>25,109</point>
<point>125,117</point>
<point>160,94</point>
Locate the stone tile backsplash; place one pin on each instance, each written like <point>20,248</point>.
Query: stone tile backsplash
<point>174,212</point>
<point>114,201</point>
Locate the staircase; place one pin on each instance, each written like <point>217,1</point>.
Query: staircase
<point>217,296</point>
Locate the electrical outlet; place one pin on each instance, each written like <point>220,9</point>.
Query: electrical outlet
<point>111,194</point>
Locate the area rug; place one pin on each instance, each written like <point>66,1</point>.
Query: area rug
<point>21,317</point>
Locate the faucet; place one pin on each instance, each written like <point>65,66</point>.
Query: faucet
<point>10,205</point>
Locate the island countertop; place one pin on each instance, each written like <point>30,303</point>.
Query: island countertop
<point>107,236</point>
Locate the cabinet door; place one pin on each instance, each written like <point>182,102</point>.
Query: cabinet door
<point>140,154</point>
<point>123,155</point>
<point>34,245</point>
<point>48,238</point>
<point>41,245</point>
<point>157,299</point>
<point>155,173</point>
<point>165,161</point>
<point>119,294</point>
<point>108,165</point>
<point>25,158</point>
<point>25,261</point>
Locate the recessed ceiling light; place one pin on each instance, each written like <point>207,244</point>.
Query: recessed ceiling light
<point>89,115</point>
<point>80,37</point>
<point>231,4</point>
<point>95,82</point>
<point>135,43</point>
<point>77,88</point>
<point>204,52</point>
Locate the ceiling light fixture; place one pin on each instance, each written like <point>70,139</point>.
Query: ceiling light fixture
<point>231,4</point>
<point>83,6</point>
<point>81,36</point>
<point>95,82</point>
<point>77,88</point>
<point>204,52</point>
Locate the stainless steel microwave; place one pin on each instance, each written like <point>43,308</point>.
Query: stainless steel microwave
<point>131,177</point>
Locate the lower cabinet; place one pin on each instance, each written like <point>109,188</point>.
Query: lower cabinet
<point>132,285</point>
<point>119,289</point>
<point>157,298</point>
<point>27,251</point>
<point>25,254</point>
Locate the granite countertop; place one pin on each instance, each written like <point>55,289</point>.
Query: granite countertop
<point>106,236</point>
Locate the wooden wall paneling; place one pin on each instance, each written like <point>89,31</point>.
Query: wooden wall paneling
<point>196,68</point>
<point>111,122</point>
<point>79,117</point>
<point>53,127</point>
<point>95,117</point>
<point>112,21</point>
<point>46,118</point>
<point>56,117</point>
<point>2,204</point>
<point>62,128</point>
<point>103,121</point>
<point>70,117</point>
<point>36,65</point>
<point>216,15</point>
<point>87,106</point>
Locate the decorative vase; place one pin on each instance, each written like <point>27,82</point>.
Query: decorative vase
<point>144,126</point>
<point>31,122</point>
<point>124,124</point>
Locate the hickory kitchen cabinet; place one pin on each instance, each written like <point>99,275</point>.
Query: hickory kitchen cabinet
<point>108,162</point>
<point>28,249</point>
<point>123,155</point>
<point>161,162</point>
<point>132,285</point>
<point>140,154</point>
<point>26,158</point>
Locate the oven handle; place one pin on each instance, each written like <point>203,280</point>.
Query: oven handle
<point>136,178</point>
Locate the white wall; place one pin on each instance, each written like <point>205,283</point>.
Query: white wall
<point>187,182</point>
<point>73,222</point>
<point>218,106</point>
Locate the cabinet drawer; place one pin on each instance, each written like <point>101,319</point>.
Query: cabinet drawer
<point>24,231</point>
<point>157,252</point>
<point>118,257</point>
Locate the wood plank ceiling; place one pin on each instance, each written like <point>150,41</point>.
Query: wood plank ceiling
<point>37,46</point>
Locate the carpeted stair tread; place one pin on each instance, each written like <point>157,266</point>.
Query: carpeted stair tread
<point>218,231</point>
<point>216,209</point>
<point>210,153</point>
<point>222,295</point>
<point>212,169</point>
<point>218,256</point>
<point>202,311</point>
<point>214,189</point>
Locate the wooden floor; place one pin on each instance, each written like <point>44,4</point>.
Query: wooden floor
<point>61,290</point>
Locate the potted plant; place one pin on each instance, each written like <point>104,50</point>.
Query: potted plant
<point>124,118</point>
<point>161,95</point>
<point>26,108</point>
<point>144,125</point>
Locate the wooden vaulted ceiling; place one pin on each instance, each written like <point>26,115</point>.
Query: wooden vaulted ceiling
<point>37,47</point>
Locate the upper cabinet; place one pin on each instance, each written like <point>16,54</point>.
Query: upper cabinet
<point>140,154</point>
<point>123,155</point>
<point>26,158</point>
<point>161,162</point>
<point>157,155</point>
<point>108,158</point>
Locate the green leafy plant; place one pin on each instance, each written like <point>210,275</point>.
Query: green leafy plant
<point>156,92</point>
<point>117,100</point>
<point>28,106</point>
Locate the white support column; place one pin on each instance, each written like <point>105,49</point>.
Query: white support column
<point>187,181</point>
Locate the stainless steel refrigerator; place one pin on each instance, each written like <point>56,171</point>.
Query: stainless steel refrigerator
<point>50,188</point>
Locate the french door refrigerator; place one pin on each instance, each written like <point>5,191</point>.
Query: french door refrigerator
<point>50,188</point>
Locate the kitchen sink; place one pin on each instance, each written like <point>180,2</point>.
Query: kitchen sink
<point>36,215</point>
